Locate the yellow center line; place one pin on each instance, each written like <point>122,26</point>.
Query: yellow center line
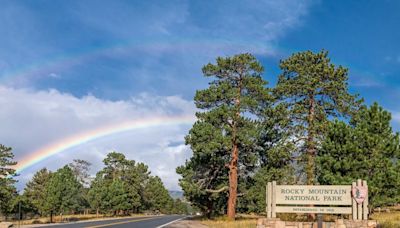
<point>123,222</point>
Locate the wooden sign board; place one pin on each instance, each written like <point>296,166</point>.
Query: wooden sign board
<point>313,194</point>
<point>325,199</point>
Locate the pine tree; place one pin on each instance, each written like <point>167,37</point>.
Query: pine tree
<point>225,133</point>
<point>157,196</point>
<point>367,148</point>
<point>62,192</point>
<point>131,177</point>
<point>35,190</point>
<point>275,149</point>
<point>196,183</point>
<point>134,178</point>
<point>97,194</point>
<point>117,196</point>
<point>7,189</point>
<point>115,165</point>
<point>313,90</point>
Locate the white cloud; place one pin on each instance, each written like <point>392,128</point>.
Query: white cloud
<point>219,28</point>
<point>391,59</point>
<point>156,46</point>
<point>31,120</point>
<point>396,117</point>
<point>54,75</point>
<point>367,82</point>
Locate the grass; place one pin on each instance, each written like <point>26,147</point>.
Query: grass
<point>387,219</point>
<point>243,221</point>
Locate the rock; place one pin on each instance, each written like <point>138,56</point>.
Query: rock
<point>372,224</point>
<point>340,223</point>
<point>6,224</point>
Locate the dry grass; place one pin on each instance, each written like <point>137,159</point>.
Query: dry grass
<point>387,219</point>
<point>65,218</point>
<point>223,222</point>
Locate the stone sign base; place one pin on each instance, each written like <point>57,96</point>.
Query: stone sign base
<point>340,223</point>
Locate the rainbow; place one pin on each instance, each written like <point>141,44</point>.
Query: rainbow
<point>62,61</point>
<point>84,137</point>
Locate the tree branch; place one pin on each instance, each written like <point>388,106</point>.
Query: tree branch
<point>217,190</point>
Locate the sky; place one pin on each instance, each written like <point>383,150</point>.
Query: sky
<point>68,67</point>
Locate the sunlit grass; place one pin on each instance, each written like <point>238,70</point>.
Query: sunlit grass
<point>387,219</point>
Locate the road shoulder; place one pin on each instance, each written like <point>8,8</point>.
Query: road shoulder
<point>186,223</point>
<point>85,221</point>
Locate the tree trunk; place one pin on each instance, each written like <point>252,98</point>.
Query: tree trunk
<point>310,166</point>
<point>233,165</point>
<point>310,147</point>
<point>233,178</point>
<point>209,210</point>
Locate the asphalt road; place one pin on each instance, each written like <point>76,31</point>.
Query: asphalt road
<point>139,222</point>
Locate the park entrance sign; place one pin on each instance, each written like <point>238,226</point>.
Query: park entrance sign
<point>325,199</point>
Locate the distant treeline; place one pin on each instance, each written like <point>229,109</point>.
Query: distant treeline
<point>122,187</point>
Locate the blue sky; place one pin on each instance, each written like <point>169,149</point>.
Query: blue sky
<point>57,58</point>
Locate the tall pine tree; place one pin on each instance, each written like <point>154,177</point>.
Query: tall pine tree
<point>225,133</point>
<point>313,90</point>
<point>275,150</point>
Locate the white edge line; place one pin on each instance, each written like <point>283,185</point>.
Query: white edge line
<point>166,224</point>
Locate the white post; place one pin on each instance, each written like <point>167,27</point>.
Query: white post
<point>354,203</point>
<point>365,203</point>
<point>359,206</point>
<point>273,214</point>
<point>269,200</point>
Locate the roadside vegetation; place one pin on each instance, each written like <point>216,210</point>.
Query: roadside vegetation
<point>242,220</point>
<point>123,187</point>
<point>228,223</point>
<point>388,218</point>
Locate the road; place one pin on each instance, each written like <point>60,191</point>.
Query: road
<point>139,222</point>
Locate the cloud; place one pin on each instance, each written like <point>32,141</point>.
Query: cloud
<point>151,47</point>
<point>391,59</point>
<point>34,119</point>
<point>367,79</point>
<point>396,117</point>
<point>237,25</point>
<point>54,75</point>
<point>367,82</point>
